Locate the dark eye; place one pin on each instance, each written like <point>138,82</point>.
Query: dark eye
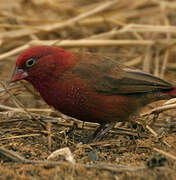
<point>30,62</point>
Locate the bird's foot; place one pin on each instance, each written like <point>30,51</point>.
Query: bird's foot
<point>100,132</point>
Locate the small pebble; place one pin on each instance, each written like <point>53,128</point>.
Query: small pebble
<point>92,156</point>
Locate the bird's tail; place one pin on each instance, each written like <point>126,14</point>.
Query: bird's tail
<point>172,92</point>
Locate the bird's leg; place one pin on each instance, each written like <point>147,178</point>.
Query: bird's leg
<point>99,133</point>
<point>73,128</point>
<point>98,130</point>
<point>49,134</point>
<point>83,125</point>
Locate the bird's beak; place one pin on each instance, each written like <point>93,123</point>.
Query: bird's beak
<point>18,74</point>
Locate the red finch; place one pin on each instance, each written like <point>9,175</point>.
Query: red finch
<point>89,87</point>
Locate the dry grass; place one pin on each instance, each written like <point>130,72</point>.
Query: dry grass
<point>136,33</point>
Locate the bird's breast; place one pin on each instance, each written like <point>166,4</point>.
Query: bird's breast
<point>71,97</point>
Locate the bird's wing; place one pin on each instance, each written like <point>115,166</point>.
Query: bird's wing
<point>133,81</point>
<point>109,77</point>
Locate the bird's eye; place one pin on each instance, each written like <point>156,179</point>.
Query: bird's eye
<point>30,62</point>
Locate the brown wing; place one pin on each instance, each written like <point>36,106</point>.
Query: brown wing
<point>109,77</point>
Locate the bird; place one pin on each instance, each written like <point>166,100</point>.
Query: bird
<point>89,87</point>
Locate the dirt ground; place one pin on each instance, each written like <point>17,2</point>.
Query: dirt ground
<point>139,34</point>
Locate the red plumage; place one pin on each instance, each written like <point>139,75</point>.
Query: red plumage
<point>89,87</point>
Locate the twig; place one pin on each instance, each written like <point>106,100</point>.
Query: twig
<point>156,71</point>
<point>165,153</point>
<point>10,87</point>
<point>134,62</point>
<point>148,28</point>
<point>11,155</point>
<point>8,108</point>
<point>78,43</point>
<point>20,136</point>
<point>147,59</point>
<point>159,109</point>
<point>14,51</point>
<point>156,135</point>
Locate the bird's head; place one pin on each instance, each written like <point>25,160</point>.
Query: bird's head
<point>38,63</point>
